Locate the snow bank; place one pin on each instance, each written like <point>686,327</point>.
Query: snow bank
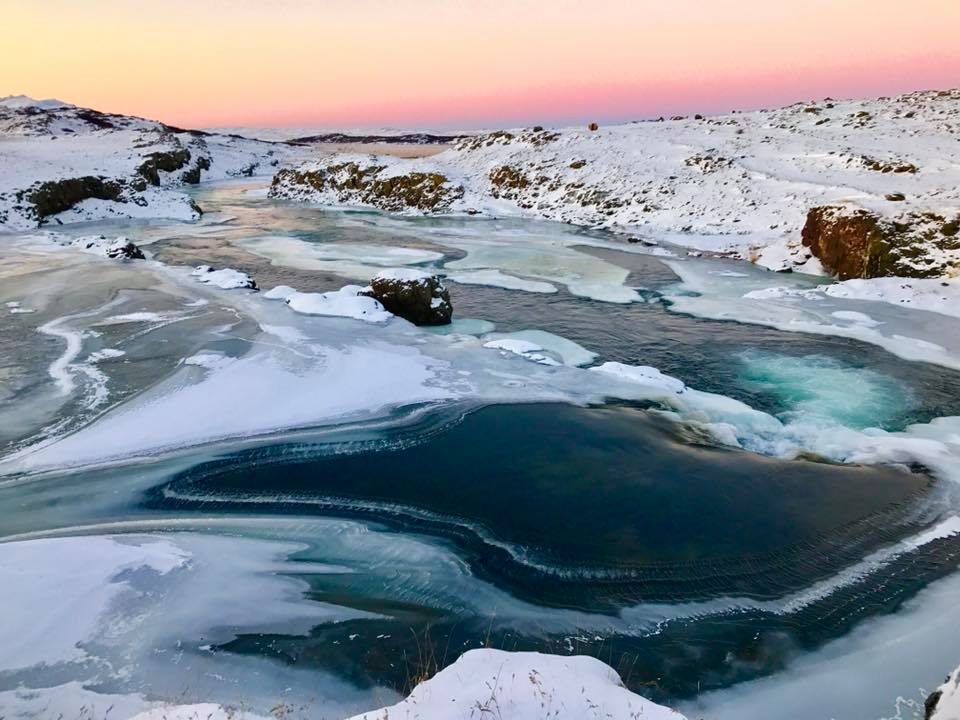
<point>522,686</point>
<point>643,374</point>
<point>933,295</point>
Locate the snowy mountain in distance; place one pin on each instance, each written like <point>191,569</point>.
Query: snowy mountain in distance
<point>16,102</point>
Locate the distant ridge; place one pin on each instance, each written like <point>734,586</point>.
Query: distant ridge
<point>405,139</point>
<point>25,101</point>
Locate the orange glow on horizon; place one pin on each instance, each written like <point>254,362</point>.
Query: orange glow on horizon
<point>465,63</point>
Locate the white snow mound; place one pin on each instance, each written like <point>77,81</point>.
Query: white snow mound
<point>522,686</point>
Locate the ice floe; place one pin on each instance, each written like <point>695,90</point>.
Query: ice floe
<point>347,302</point>
<point>567,351</point>
<point>225,278</point>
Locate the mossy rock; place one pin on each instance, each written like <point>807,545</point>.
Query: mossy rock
<point>857,243</point>
<point>56,196</point>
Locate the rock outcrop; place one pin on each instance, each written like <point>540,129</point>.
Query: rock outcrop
<point>363,182</point>
<point>55,196</point>
<point>414,295</point>
<point>856,243</point>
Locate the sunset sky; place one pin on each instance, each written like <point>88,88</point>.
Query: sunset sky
<point>460,63</point>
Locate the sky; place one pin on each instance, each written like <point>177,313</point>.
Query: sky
<point>467,63</point>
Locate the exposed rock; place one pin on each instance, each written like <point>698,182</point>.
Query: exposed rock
<point>888,166</point>
<point>505,181</point>
<point>125,251</point>
<point>593,127</point>
<point>56,196</point>
<point>165,161</point>
<point>930,704</point>
<point>708,162</point>
<point>192,176</point>
<point>119,248</point>
<point>415,295</point>
<point>944,702</point>
<point>856,243</point>
<point>351,181</point>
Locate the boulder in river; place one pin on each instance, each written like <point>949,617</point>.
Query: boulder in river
<point>415,295</point>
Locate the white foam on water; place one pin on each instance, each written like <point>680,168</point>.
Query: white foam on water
<point>817,387</point>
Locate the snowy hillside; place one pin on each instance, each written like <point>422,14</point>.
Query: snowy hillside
<point>742,183</point>
<point>60,163</point>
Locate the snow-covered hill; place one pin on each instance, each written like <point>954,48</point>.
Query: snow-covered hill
<point>742,183</point>
<point>59,162</point>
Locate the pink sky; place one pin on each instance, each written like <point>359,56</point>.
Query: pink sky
<point>468,63</point>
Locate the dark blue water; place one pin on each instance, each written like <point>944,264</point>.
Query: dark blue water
<point>590,509</point>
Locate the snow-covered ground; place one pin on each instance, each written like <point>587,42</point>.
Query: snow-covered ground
<point>131,167</point>
<point>740,183</point>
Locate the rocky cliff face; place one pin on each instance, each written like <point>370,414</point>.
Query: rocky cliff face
<point>856,243</point>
